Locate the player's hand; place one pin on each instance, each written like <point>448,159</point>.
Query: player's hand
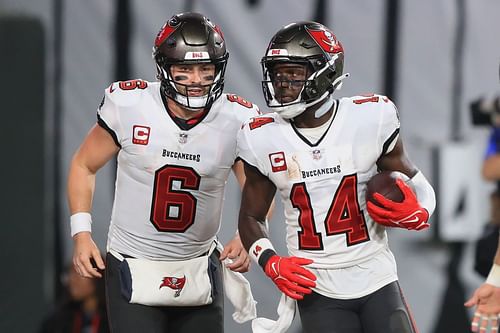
<point>407,214</point>
<point>290,276</point>
<point>234,250</point>
<point>486,298</point>
<point>84,251</point>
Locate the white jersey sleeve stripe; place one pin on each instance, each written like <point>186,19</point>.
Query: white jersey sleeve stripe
<point>390,142</point>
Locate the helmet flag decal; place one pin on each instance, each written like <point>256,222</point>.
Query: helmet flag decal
<point>165,31</point>
<point>326,40</point>
<point>219,31</point>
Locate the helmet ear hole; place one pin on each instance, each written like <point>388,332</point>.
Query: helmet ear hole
<point>310,90</point>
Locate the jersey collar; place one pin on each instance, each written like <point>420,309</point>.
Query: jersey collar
<point>306,140</point>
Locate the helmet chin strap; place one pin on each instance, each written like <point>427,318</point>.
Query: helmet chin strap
<point>330,101</point>
<point>290,111</point>
<point>325,107</point>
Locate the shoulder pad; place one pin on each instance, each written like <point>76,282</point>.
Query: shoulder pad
<point>126,93</point>
<point>239,107</point>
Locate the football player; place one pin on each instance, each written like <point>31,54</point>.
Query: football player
<point>175,142</point>
<point>319,152</point>
<point>486,298</point>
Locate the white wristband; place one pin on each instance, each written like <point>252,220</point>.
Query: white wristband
<point>80,222</point>
<point>494,276</point>
<point>258,247</point>
<point>425,193</point>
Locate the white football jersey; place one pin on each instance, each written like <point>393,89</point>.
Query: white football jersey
<point>170,182</point>
<point>322,184</point>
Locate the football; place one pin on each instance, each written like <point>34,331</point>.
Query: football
<point>385,184</point>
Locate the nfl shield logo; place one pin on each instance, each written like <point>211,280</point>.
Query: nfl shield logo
<point>183,137</point>
<point>316,154</point>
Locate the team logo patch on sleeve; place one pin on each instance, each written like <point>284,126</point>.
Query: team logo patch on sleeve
<point>278,161</point>
<point>140,135</point>
<point>174,283</point>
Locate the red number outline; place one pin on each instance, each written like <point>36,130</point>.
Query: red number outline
<point>259,122</point>
<point>344,214</point>
<point>240,100</point>
<point>370,98</point>
<point>164,197</point>
<point>309,237</point>
<point>133,84</point>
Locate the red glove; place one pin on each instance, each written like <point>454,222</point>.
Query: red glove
<point>407,214</point>
<point>289,275</point>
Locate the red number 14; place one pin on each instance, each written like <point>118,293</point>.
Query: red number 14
<point>344,215</point>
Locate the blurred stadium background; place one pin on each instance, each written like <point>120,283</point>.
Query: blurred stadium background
<point>431,57</point>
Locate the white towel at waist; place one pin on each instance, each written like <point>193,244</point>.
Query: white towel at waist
<point>286,312</point>
<point>238,291</point>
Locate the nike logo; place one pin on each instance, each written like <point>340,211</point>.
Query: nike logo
<point>111,88</point>
<point>415,219</point>
<point>412,218</point>
<point>273,267</point>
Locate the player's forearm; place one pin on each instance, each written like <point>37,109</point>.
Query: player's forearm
<point>81,184</point>
<point>256,199</point>
<point>250,229</point>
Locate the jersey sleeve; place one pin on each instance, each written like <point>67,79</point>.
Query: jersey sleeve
<point>242,108</point>
<point>108,116</point>
<point>246,151</point>
<point>389,126</point>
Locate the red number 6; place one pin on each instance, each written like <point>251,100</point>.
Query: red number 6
<point>174,210</point>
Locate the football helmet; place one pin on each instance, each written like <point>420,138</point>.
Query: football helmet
<point>190,38</point>
<point>315,46</point>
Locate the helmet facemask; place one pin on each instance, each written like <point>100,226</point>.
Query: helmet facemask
<point>178,91</point>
